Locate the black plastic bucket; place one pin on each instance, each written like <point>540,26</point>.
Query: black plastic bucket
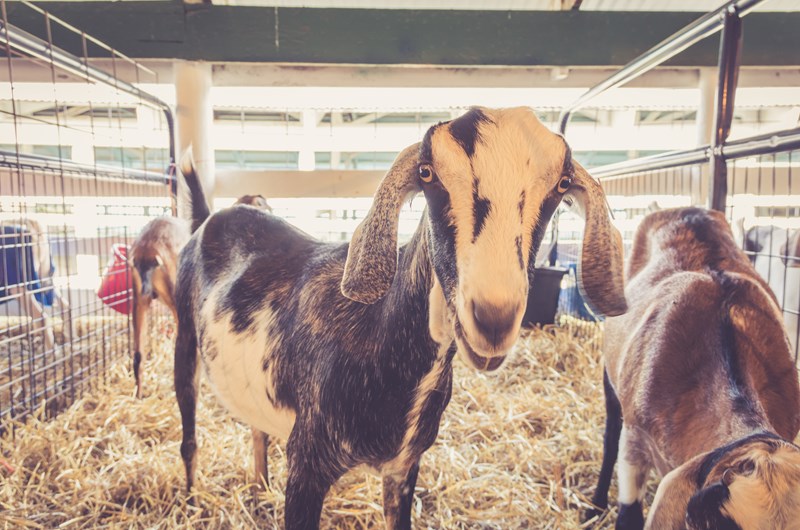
<point>543,296</point>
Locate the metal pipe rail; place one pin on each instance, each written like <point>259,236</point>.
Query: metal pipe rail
<point>667,160</point>
<point>33,46</point>
<point>698,30</point>
<point>38,162</point>
<point>763,144</point>
<point>781,141</point>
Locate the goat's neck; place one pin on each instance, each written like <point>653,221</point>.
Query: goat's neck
<point>406,306</point>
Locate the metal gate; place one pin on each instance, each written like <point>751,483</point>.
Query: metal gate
<point>754,179</point>
<point>73,194</point>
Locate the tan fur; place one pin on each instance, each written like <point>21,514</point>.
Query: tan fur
<point>162,240</point>
<point>764,485</point>
<point>664,358</point>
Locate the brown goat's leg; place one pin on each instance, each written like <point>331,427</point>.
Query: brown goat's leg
<point>610,450</point>
<point>140,306</point>
<point>186,383</point>
<point>260,445</point>
<point>398,495</point>
<point>632,478</point>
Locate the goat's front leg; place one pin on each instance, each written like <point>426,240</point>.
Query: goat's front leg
<point>307,484</point>
<point>260,446</point>
<point>632,477</point>
<point>398,495</point>
<point>610,449</point>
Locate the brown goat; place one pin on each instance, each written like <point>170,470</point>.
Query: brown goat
<point>154,260</point>
<point>700,384</point>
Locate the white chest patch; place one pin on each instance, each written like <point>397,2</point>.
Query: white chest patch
<point>235,364</point>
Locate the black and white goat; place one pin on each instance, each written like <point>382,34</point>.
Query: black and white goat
<point>700,385</point>
<point>346,350</point>
<point>154,269</point>
<point>776,257</point>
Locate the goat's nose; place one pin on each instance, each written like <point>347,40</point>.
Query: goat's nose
<point>494,322</point>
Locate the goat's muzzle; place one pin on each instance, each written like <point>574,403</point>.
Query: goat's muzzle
<point>478,360</point>
<point>495,323</point>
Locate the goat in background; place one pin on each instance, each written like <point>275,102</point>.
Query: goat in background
<point>775,254</point>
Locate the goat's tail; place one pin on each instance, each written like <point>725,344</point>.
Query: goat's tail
<point>145,268</point>
<point>197,196</point>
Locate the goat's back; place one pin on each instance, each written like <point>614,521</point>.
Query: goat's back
<point>702,338</point>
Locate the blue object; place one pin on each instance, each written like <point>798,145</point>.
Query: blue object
<point>571,302</point>
<point>17,265</point>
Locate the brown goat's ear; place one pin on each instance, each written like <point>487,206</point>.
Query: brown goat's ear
<point>791,249</point>
<point>600,271</point>
<point>372,255</point>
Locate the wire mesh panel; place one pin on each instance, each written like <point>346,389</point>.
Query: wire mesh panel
<point>73,195</point>
<point>763,207</point>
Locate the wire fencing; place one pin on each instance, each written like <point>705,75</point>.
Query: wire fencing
<point>73,195</point>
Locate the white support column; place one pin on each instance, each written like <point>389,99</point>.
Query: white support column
<point>707,84</point>
<point>705,109</point>
<point>83,152</point>
<point>195,116</point>
<point>305,158</point>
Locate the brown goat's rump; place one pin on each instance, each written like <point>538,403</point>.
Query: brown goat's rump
<point>517,449</point>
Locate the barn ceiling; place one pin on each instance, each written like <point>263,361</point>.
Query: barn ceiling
<point>426,32</point>
<point>514,5</point>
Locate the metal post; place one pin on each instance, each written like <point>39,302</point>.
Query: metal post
<point>700,174</point>
<point>195,118</point>
<point>730,50</point>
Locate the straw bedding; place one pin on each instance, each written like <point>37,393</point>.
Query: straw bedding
<point>520,449</point>
<point>28,371</point>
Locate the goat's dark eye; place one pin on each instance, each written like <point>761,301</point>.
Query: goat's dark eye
<point>426,173</point>
<point>564,183</point>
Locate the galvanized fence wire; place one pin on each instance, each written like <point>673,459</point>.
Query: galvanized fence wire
<point>73,195</point>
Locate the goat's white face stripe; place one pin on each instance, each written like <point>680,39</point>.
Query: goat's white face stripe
<point>495,197</point>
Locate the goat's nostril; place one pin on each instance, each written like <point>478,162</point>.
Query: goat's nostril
<point>494,322</point>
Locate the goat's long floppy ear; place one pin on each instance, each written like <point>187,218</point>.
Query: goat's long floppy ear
<point>600,271</point>
<point>372,255</point>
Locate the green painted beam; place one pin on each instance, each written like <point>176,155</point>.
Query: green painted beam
<point>168,29</point>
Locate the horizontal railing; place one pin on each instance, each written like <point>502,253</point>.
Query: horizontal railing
<point>11,159</point>
<point>698,30</point>
<point>31,45</point>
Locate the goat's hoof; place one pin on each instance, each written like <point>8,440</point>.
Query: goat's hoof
<point>592,514</point>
